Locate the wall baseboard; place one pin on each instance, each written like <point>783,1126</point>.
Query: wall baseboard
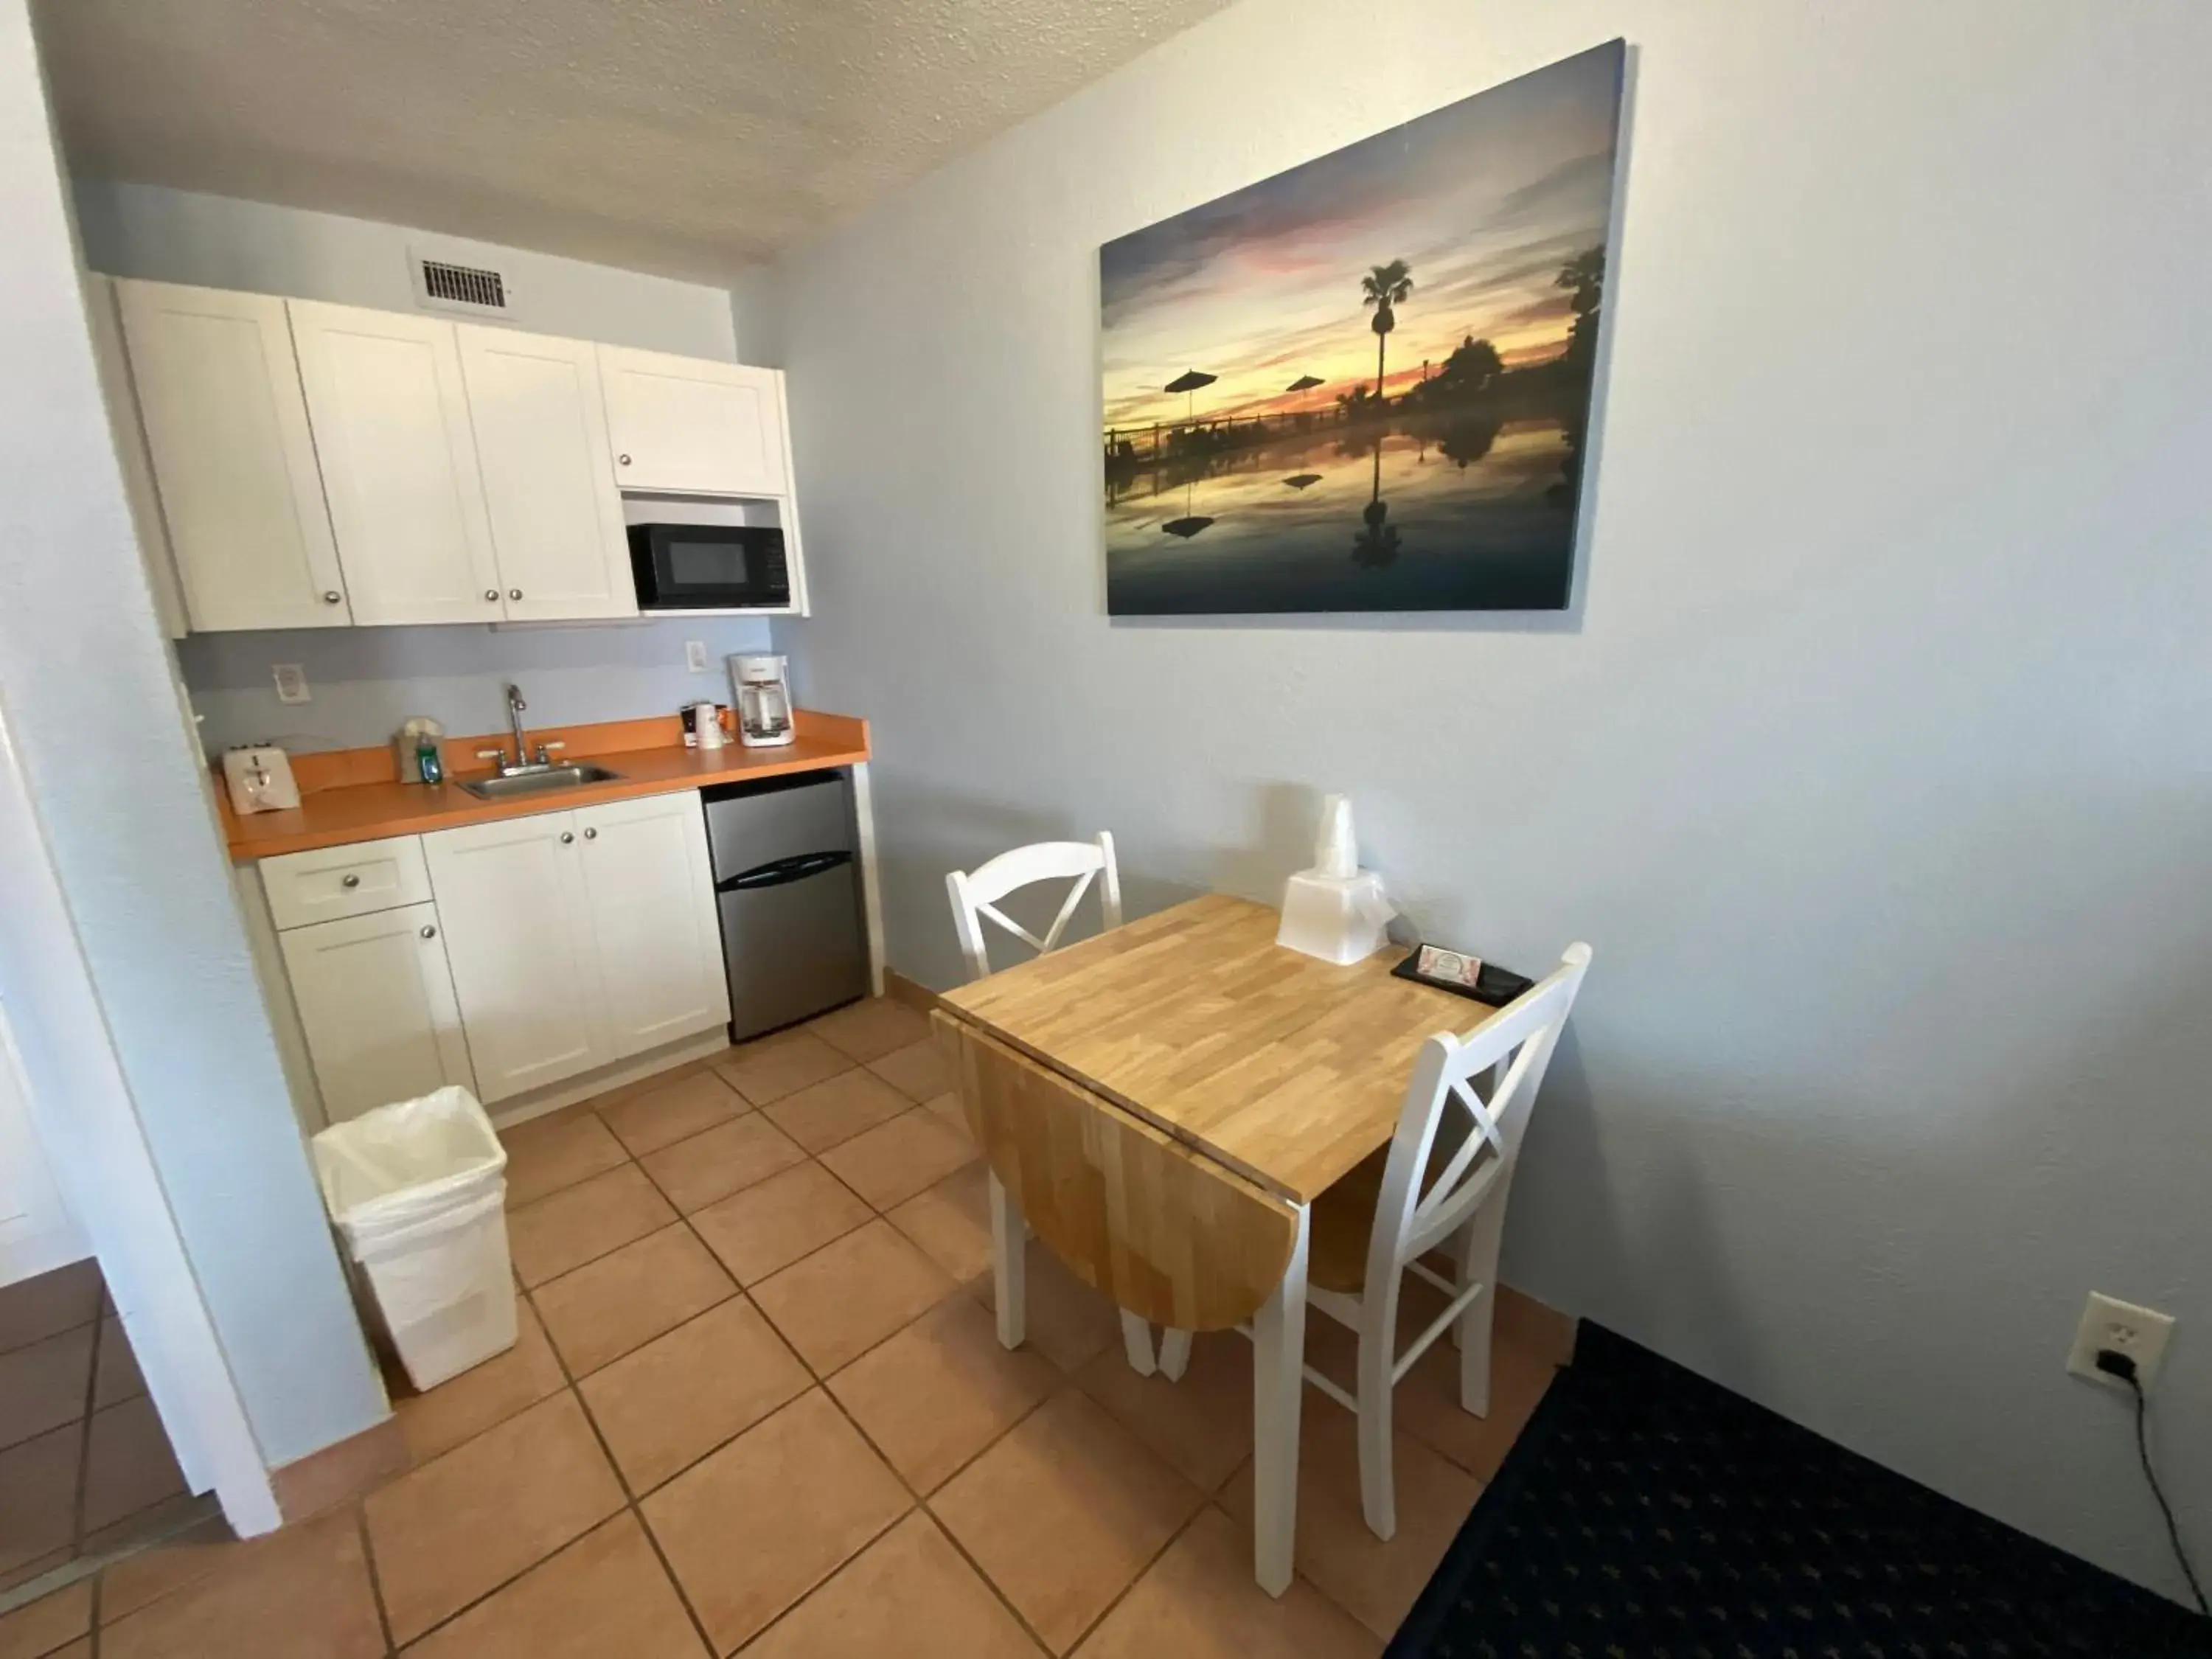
<point>345,1469</point>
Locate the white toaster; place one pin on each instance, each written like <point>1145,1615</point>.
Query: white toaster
<point>259,779</point>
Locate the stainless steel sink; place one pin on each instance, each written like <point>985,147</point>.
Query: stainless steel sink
<point>538,780</point>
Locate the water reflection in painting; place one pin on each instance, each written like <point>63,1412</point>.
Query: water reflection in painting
<point>1293,424</point>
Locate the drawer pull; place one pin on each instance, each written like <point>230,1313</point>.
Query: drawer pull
<point>350,881</point>
<point>568,836</point>
<point>428,932</point>
<point>591,835</point>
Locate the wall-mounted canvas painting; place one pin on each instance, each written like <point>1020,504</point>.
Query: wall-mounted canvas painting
<point>1365,384</point>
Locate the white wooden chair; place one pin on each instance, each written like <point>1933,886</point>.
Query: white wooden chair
<point>976,895</point>
<point>1376,1224</point>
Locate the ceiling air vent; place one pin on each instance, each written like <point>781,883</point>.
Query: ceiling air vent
<point>443,285</point>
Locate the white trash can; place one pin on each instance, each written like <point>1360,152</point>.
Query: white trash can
<point>418,1191</point>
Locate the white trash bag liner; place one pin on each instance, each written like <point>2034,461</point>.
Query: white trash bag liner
<point>417,1190</point>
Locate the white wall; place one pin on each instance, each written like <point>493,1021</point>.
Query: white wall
<point>1876,761</point>
<point>220,241</point>
<point>135,852</point>
<point>365,681</point>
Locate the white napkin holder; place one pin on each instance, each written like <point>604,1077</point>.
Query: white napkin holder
<point>1335,911</point>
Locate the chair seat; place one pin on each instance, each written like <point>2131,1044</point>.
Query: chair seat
<point>1343,1218</point>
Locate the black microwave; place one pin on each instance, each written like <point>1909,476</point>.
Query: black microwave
<point>709,567</point>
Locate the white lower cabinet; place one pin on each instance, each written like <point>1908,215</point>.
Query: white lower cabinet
<point>376,1002</point>
<point>579,937</point>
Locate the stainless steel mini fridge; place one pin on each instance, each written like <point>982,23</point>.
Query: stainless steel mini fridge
<point>788,880</point>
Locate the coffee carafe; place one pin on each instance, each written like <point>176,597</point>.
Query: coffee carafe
<point>764,701</point>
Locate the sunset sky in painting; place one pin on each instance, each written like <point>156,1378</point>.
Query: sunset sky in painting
<point>1484,200</point>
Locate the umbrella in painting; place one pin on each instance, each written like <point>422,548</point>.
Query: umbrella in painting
<point>1188,382</point>
<point>1303,480</point>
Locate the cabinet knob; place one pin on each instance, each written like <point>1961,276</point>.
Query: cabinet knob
<point>568,836</point>
<point>513,592</point>
<point>349,881</point>
<point>332,596</point>
<point>622,460</point>
<point>591,835</point>
<point>492,594</point>
<point>430,931</point>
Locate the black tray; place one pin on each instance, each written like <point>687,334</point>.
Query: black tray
<point>1493,986</point>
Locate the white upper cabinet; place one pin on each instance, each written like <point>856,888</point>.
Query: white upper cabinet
<point>227,429</point>
<point>113,362</point>
<point>390,412</point>
<point>649,892</point>
<point>548,478</point>
<point>692,427</point>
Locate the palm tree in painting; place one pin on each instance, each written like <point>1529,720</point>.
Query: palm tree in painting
<point>1385,288</point>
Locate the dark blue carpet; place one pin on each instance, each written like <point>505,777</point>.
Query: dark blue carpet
<point>1646,1513</point>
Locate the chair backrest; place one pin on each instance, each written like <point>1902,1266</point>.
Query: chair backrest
<point>1515,1046</point>
<point>975,893</point>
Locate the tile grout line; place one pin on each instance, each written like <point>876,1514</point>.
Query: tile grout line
<point>375,1581</point>
<point>83,1486</point>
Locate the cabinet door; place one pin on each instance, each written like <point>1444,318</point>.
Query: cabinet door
<point>549,477</point>
<point>692,425</point>
<point>650,893</point>
<point>511,901</point>
<point>376,1000</point>
<point>234,462</point>
<point>391,418</point>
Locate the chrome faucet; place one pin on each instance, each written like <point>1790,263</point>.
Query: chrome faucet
<point>521,763</point>
<point>514,708</point>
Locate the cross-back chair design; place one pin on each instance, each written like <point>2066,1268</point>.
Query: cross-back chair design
<point>975,893</point>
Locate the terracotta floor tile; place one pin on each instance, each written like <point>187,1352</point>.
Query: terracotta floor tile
<point>486,1395</point>
<point>606,1594</point>
<point>1541,1330</point>
<point>870,1029</point>
<point>892,1162</point>
<point>469,1521</point>
<point>952,1222</point>
<point>781,1065</point>
<point>559,1233</point>
<point>603,1310</point>
<point>32,1310</point>
<point>947,1107</point>
<point>819,1118</point>
<point>80,1648</point>
<point>670,1402</point>
<point>918,1071</point>
<point>119,1379</point>
<point>47,1623</point>
<point>1376,1583</point>
<point>557,1150</point>
<point>849,1296</point>
<point>185,1558</point>
<point>45,1384</point>
<point>37,1566</point>
<point>1203,1424</point>
<point>1064,1512</point>
<point>725,1159</point>
<point>941,1390</point>
<point>1199,1601</point>
<point>907,1594</point>
<point>672,1111</point>
<point>155,1520</point>
<point>1068,1321</point>
<point>771,1515</point>
<point>302,1593</point>
<point>128,1465</point>
<point>771,1224</point>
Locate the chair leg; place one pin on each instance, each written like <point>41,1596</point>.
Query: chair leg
<point>1009,1266</point>
<point>1378,1320</point>
<point>1136,1343</point>
<point>1279,1366</point>
<point>1175,1353</point>
<point>1478,1265</point>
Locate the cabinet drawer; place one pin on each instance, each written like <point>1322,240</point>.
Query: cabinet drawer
<point>345,881</point>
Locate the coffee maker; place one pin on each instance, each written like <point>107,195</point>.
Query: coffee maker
<point>763,693</point>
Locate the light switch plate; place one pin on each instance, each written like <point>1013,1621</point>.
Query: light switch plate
<point>291,679</point>
<point>2139,1333</point>
<point>695,655</point>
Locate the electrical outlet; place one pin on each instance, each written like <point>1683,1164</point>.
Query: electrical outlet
<point>2139,1333</point>
<point>695,655</point>
<point>291,682</point>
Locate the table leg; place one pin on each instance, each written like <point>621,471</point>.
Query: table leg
<point>1278,1366</point>
<point>1009,1266</point>
<point>1175,1353</point>
<point>1136,1343</point>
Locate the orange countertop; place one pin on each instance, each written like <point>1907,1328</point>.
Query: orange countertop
<point>355,794</point>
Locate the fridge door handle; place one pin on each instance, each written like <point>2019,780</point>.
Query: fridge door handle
<point>797,867</point>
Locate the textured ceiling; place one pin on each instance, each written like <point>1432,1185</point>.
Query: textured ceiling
<point>676,136</point>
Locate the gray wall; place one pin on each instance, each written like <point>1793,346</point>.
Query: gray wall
<point>365,681</point>
<point>1876,761</point>
<point>93,708</point>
